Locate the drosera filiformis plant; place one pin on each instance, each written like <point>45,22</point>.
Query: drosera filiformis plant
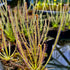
<point>32,48</point>
<point>7,54</point>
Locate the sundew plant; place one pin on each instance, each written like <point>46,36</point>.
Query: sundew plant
<point>29,33</point>
<point>55,10</point>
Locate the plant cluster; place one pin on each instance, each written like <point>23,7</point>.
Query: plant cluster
<point>28,34</point>
<point>51,5</point>
<point>48,5</point>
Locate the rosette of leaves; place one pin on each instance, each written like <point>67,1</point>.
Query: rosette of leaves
<point>9,32</point>
<point>67,21</point>
<point>8,53</point>
<point>55,21</point>
<point>54,25</point>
